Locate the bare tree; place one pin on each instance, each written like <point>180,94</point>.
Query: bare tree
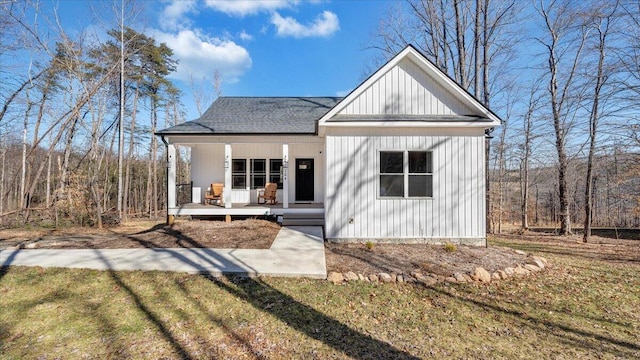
<point>564,41</point>
<point>601,24</point>
<point>526,154</point>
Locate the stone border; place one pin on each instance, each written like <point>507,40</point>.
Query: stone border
<point>531,265</point>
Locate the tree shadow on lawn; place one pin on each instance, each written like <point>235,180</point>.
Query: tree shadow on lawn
<point>310,321</point>
<point>261,296</point>
<point>630,256</point>
<point>590,341</point>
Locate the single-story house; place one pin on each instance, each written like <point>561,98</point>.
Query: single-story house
<point>400,158</point>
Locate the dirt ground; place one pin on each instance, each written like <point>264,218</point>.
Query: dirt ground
<point>259,234</point>
<point>403,259</point>
<point>239,234</point>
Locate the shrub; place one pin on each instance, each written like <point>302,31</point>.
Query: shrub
<point>449,247</point>
<point>370,245</point>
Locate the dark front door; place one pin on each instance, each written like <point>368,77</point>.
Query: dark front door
<point>304,179</point>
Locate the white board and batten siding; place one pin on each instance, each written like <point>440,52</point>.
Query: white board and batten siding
<point>354,209</point>
<point>405,89</point>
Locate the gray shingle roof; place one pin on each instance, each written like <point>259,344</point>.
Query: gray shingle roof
<point>258,115</point>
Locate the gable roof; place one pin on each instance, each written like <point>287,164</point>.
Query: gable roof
<point>474,113</point>
<point>258,115</point>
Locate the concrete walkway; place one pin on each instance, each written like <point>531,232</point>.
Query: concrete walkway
<point>296,251</point>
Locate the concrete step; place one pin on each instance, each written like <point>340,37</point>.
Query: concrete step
<point>302,222</point>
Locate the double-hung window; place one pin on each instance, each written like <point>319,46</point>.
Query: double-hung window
<point>239,174</point>
<point>406,174</point>
<point>275,172</point>
<point>258,173</point>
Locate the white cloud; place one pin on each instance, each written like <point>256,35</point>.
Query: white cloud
<point>324,25</point>
<point>343,93</point>
<point>245,36</point>
<point>173,16</point>
<point>246,7</point>
<point>199,56</point>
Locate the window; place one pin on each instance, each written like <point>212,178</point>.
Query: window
<point>239,174</point>
<point>275,172</point>
<point>406,174</point>
<point>391,174</point>
<point>258,173</point>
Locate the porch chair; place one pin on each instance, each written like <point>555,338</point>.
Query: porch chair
<point>269,193</point>
<point>214,194</point>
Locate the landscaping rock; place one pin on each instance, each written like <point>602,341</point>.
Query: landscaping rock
<point>361,277</point>
<point>450,279</point>
<point>467,277</point>
<point>495,276</point>
<point>384,277</point>
<point>503,274</point>
<point>480,274</point>
<point>521,271</point>
<point>394,277</point>
<point>536,262</point>
<point>427,280</point>
<point>459,278</point>
<point>543,260</point>
<point>400,278</point>
<point>532,268</point>
<point>373,278</point>
<point>351,276</point>
<point>335,277</point>
<point>520,252</point>
<point>509,271</point>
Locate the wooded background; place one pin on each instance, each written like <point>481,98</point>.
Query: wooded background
<point>563,75</point>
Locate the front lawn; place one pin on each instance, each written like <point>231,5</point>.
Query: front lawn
<point>580,307</point>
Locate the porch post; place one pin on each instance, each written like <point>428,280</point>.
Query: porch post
<point>285,176</point>
<point>226,194</point>
<point>171,181</point>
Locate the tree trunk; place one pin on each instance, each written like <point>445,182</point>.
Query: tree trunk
<point>48,201</point>
<point>127,178</point>
<point>593,127</point>
<point>476,52</point>
<point>460,44</point>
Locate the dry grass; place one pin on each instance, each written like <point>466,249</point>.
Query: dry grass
<point>585,305</point>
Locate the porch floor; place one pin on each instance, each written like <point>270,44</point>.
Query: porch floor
<point>247,209</point>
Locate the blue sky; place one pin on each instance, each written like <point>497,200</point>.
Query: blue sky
<point>268,48</point>
<point>260,47</point>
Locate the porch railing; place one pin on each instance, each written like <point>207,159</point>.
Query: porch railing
<point>183,193</point>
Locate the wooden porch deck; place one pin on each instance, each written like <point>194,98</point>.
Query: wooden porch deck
<point>247,209</point>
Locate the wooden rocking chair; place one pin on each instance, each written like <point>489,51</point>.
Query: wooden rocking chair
<point>269,193</point>
<point>214,194</point>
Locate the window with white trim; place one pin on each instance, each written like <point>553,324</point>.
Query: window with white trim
<point>406,174</point>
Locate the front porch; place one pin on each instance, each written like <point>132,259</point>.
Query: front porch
<point>243,209</point>
<point>243,165</point>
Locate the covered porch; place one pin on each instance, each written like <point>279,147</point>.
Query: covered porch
<point>244,164</point>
